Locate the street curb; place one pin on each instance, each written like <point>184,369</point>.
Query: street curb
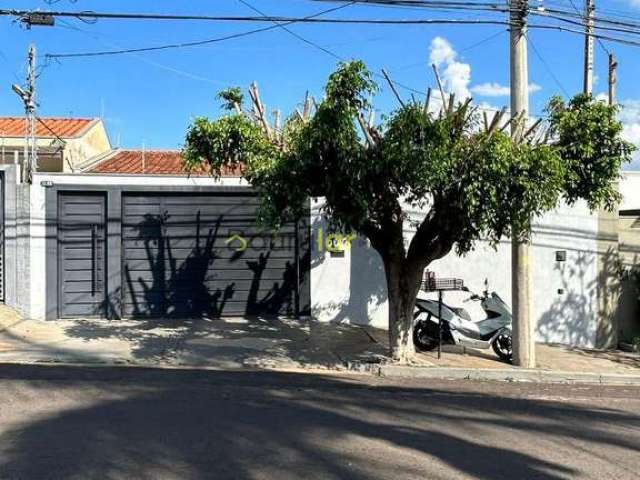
<point>384,370</point>
<point>506,375</point>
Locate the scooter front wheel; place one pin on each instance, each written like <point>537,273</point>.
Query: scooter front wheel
<point>503,347</point>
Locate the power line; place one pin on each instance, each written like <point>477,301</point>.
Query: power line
<point>324,49</point>
<point>556,14</point>
<point>462,50</point>
<point>624,41</point>
<point>140,58</point>
<point>278,24</point>
<point>190,44</point>
<point>92,16</point>
<point>575,7</point>
<point>559,15</point>
<point>294,34</point>
<point>546,66</point>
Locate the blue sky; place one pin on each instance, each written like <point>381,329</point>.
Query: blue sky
<point>151,97</point>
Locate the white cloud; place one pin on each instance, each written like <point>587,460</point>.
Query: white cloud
<point>441,52</point>
<point>534,87</point>
<point>630,117</point>
<point>603,97</point>
<point>490,89</point>
<point>455,75</point>
<point>494,89</point>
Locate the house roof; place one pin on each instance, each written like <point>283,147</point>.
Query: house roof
<point>46,127</point>
<point>149,162</point>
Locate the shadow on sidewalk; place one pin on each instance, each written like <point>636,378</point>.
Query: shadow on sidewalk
<point>252,341</point>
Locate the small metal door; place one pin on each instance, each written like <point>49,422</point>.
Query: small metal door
<point>81,255</point>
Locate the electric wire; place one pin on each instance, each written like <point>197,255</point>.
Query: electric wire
<point>546,66</point>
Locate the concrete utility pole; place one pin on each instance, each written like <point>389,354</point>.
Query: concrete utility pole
<point>613,78</point>
<point>524,354</point>
<point>589,8</point>
<point>31,113</point>
<point>28,96</point>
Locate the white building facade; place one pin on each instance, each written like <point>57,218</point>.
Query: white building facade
<point>573,260</point>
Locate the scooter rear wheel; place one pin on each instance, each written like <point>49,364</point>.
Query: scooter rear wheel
<point>425,335</point>
<point>503,347</point>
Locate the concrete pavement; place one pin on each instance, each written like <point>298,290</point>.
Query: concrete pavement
<point>122,423</point>
<point>211,343</point>
<point>283,344</point>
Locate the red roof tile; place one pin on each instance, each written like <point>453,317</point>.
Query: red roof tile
<point>150,162</point>
<point>46,128</point>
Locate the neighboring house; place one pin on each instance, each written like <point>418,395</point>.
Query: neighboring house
<point>145,162</point>
<point>148,162</point>
<point>629,231</point>
<point>63,143</point>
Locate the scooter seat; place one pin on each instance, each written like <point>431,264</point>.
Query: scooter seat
<point>462,313</point>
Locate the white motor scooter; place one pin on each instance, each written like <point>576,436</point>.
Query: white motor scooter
<point>458,328</point>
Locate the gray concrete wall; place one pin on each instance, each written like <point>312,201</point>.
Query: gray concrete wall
<point>16,240</point>
<point>23,249</point>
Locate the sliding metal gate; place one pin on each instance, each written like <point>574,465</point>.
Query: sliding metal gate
<point>195,255</point>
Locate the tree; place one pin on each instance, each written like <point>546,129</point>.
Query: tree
<point>472,183</point>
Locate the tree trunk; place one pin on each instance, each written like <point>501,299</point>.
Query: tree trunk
<point>402,287</point>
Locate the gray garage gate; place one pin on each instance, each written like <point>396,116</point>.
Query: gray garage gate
<point>203,254</point>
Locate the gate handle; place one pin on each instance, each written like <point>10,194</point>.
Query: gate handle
<point>94,262</point>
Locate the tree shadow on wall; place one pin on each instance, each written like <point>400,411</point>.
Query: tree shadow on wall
<point>581,315</point>
<point>280,298</point>
<point>367,285</point>
<point>178,286</point>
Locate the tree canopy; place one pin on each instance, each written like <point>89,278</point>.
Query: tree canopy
<point>471,181</point>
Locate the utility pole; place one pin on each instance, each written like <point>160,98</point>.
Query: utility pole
<point>28,96</point>
<point>589,8</point>
<point>30,108</point>
<point>524,354</point>
<point>613,78</point>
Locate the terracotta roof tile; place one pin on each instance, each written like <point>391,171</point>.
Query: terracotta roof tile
<point>150,162</point>
<point>62,127</point>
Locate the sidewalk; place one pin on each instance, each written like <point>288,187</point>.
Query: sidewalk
<point>283,344</point>
<point>220,343</point>
<point>555,363</point>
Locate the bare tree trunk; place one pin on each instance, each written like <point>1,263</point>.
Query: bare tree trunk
<point>402,287</point>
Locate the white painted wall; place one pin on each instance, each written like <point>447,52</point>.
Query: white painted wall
<point>352,288</point>
<point>630,190</point>
<point>349,288</point>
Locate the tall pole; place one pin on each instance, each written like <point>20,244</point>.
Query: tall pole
<point>523,326</point>
<point>30,107</point>
<point>589,8</point>
<point>613,78</point>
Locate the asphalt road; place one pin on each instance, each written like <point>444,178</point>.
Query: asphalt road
<point>109,423</point>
